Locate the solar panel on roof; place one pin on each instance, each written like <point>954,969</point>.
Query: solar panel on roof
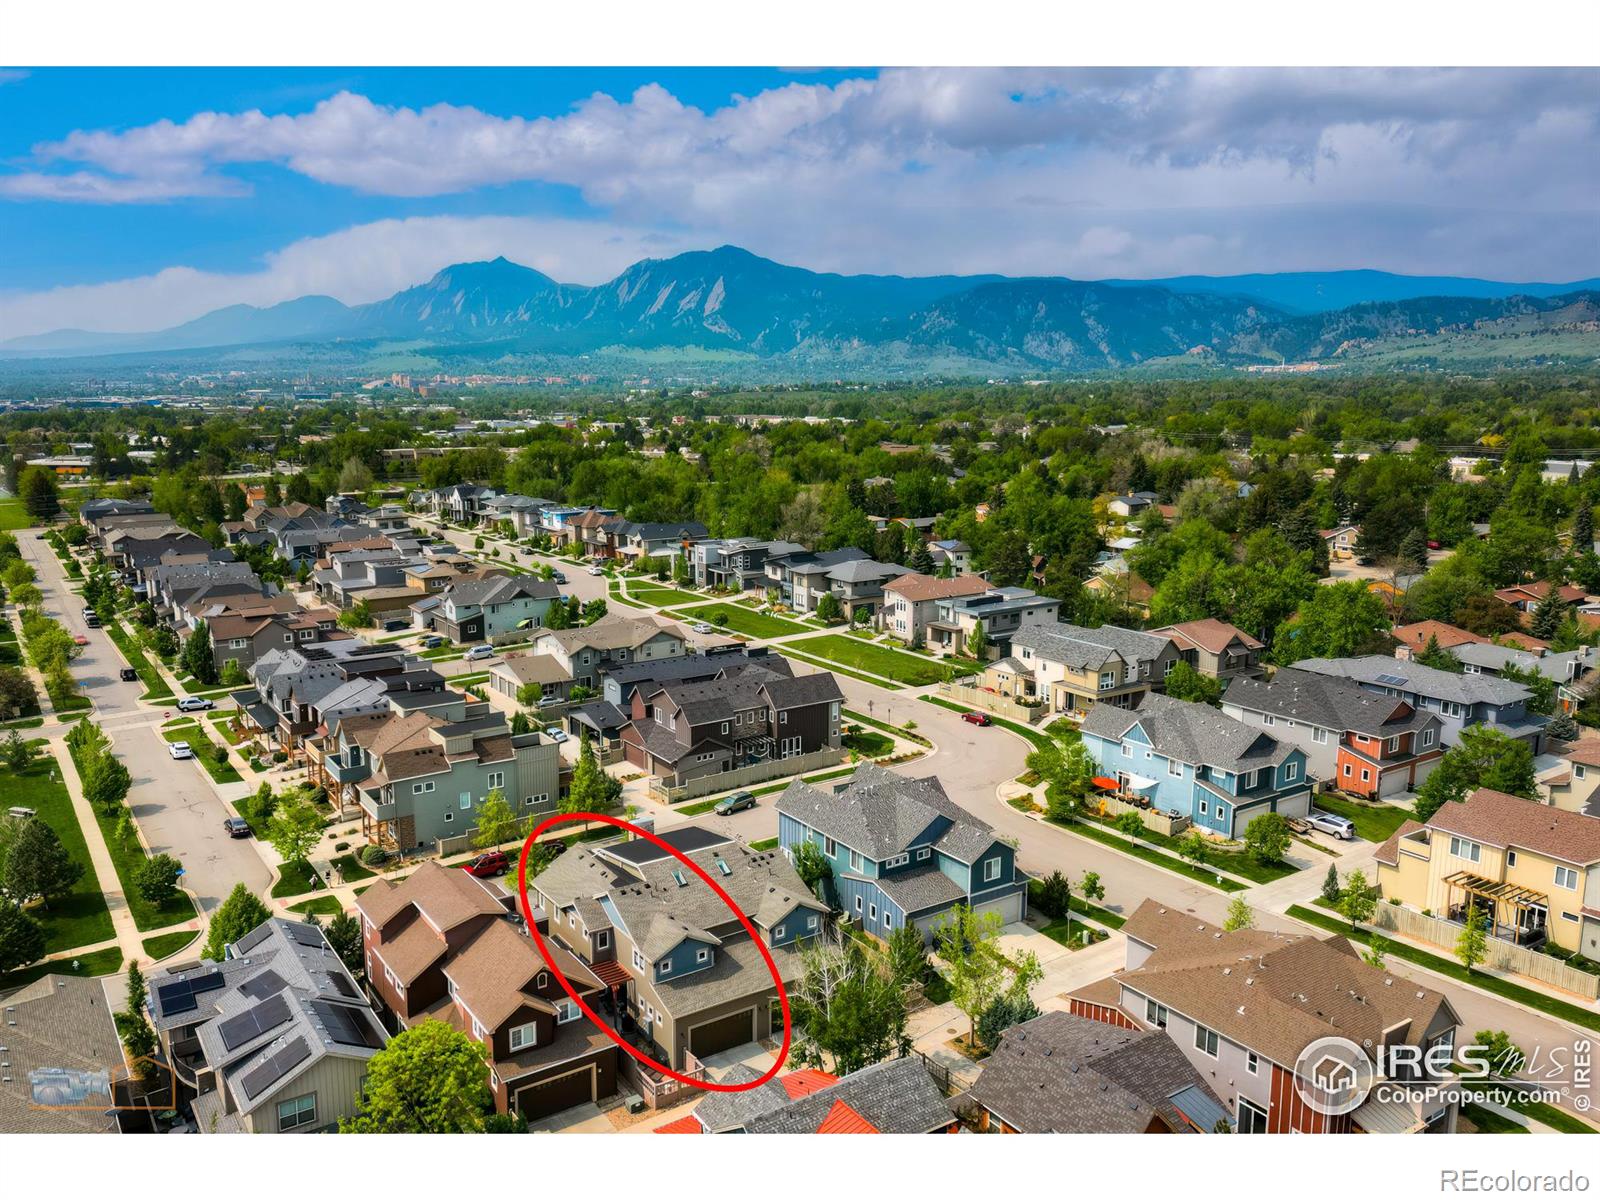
<point>1393,679</point>
<point>306,935</point>
<point>263,985</point>
<point>176,998</point>
<point>252,1023</point>
<point>345,984</point>
<point>275,1067</point>
<point>345,1025</point>
<point>207,983</point>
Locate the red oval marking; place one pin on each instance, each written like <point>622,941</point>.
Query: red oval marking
<point>594,1017</point>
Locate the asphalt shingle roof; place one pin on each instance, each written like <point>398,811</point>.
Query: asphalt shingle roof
<point>1190,732</point>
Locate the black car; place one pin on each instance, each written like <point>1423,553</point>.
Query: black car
<point>128,675</point>
<point>236,827</point>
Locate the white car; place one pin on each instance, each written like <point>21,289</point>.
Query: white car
<point>195,704</point>
<point>180,750</point>
<point>556,734</point>
<point>702,627</point>
<point>597,570</point>
<point>480,652</point>
<point>1334,826</point>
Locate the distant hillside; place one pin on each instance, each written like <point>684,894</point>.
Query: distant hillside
<point>1325,291</point>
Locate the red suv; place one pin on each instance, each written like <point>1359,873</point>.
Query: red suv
<point>976,718</point>
<point>486,866</point>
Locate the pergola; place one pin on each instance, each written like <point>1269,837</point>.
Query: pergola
<point>1519,899</point>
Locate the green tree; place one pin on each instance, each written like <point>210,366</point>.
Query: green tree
<point>21,937</point>
<point>344,935</point>
<point>105,781</point>
<point>428,1079</point>
<point>967,943</point>
<point>849,1009</point>
<point>1129,824</point>
<point>1505,1057</point>
<point>37,488</point>
<point>1482,757</point>
<point>1240,915</point>
<point>1547,614</point>
<point>497,821</point>
<point>1335,621</point>
<point>1330,884</point>
<point>1055,895</point>
<point>828,610</point>
<point>1267,837</point>
<point>133,1026</point>
<point>157,878</point>
<point>357,616</point>
<point>38,866</point>
<point>295,830</point>
<point>1435,656</point>
<point>908,955</point>
<point>17,752</point>
<point>236,916</point>
<point>593,788</point>
<point>198,659</point>
<point>1472,943</point>
<point>978,642</point>
<point>810,865</point>
<point>1193,848</point>
<point>593,610</point>
<point>1185,683</point>
<point>1358,899</point>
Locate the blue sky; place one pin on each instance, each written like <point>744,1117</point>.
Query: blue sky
<point>134,199</point>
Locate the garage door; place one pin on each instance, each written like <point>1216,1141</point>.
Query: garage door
<point>1009,908</point>
<point>545,1099</point>
<point>636,755</point>
<point>723,1033</point>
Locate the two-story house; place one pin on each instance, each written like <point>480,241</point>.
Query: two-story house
<point>1244,1005</point>
<point>902,852</point>
<point>480,610</point>
<point>636,540</point>
<point>1358,741</point>
<point>1215,648</point>
<point>275,1038</point>
<point>619,683</point>
<point>739,564</point>
<point>1459,700</point>
<point>686,979</point>
<point>441,945</point>
<point>1192,761</point>
<point>749,713</point>
<point>239,638</point>
<point>1533,870</point>
<point>613,640</point>
<point>1077,669</point>
<point>852,577</point>
<point>1574,786</point>
<point>911,601</point>
<point>998,611</point>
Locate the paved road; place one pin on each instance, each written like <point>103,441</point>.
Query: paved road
<point>579,582</point>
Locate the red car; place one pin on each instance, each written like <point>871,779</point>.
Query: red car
<point>80,639</point>
<point>486,866</point>
<point>976,718</point>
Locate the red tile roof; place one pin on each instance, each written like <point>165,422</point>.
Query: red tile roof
<point>842,1118</point>
<point>803,1083</point>
<point>689,1124</point>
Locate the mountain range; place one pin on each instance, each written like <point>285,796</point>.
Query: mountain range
<point>731,302</point>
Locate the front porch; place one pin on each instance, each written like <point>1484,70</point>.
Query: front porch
<point>1514,913</point>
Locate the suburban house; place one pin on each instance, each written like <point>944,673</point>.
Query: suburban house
<point>657,539</point>
<point>738,564</point>
<point>911,601</point>
<point>952,552</point>
<point>895,1096</point>
<point>1131,505</point>
<point>1065,1073</point>
<point>1242,1006</point>
<point>902,851</point>
<point>480,610</point>
<point>1458,700</point>
<point>275,1038</point>
<point>999,612</point>
<point>850,575</point>
<point>685,978</point>
<point>1077,669</point>
<point>238,639</point>
<point>129,550</point>
<point>1525,597</point>
<point>1358,741</point>
<point>1572,671</point>
<point>1532,869</point>
<point>64,1023</point>
<point>514,672</point>
<point>441,945</point>
<point>92,510</point>
<point>1215,648</point>
<point>1414,638</point>
<point>460,503</point>
<point>620,682</point>
<point>1192,761</point>
<point>1116,582</point>
<point>1341,541</point>
<point>1573,787</point>
<point>586,652</point>
<point>749,713</point>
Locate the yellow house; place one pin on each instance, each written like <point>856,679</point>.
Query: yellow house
<point>1573,787</point>
<point>1533,870</point>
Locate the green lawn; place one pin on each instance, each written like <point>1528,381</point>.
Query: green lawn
<point>13,515</point>
<point>322,906</point>
<point>1575,1013</point>
<point>1490,1122</point>
<point>164,945</point>
<point>770,843</point>
<point>1538,1110</point>
<point>868,744</point>
<point>880,660</point>
<point>836,773</point>
<point>351,868</point>
<point>1081,906</point>
<point>660,595</point>
<point>790,652</point>
<point>911,735</point>
<point>1098,833</point>
<point>98,962</point>
<point>1039,740</point>
<point>156,686</point>
<point>1373,822</point>
<point>1235,862</point>
<point>79,918</point>
<point>296,880</point>
<point>221,772</point>
<point>739,620</point>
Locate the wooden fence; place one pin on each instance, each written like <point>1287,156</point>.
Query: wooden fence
<point>727,781</point>
<point>1000,706</point>
<point>1503,955</point>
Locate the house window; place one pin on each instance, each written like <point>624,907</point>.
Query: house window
<point>292,1114</point>
<point>1291,771</point>
<point>856,861</point>
<point>1252,1117</point>
<point>724,727</point>
<point>1366,775</point>
<point>1250,779</point>
<point>811,922</point>
<point>704,955</point>
<point>602,939</point>
<point>524,1036</point>
<point>1203,809</point>
<point>1155,1014</point>
<point>1252,1063</point>
<point>1567,878</point>
<point>449,816</point>
<point>1348,770</point>
<point>567,1011</point>
<point>418,789</point>
<point>497,779</point>
<point>1108,680</point>
<point>1205,1040</point>
<point>638,961</point>
<point>665,966</point>
<point>1462,848</point>
<point>858,903</point>
<point>899,860</point>
<point>1127,750</point>
<point>783,718</point>
<point>465,801</point>
<point>1578,770</point>
<point>1427,737</point>
<point>923,854</point>
<point>991,870</point>
<point>1394,744</point>
<point>829,847</point>
<point>1319,735</point>
<point>1511,858</point>
<point>1174,767</point>
<point>1269,719</point>
<point>872,912</point>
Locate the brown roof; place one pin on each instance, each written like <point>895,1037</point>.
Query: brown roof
<point>1389,852</point>
<point>916,587</point>
<point>1277,994</point>
<point>1416,635</point>
<point>1538,591</point>
<point>446,895</point>
<point>1586,752</point>
<point>1524,641</point>
<point>1499,819</point>
<point>412,951</point>
<point>532,668</point>
<point>493,970</point>
<point>1209,634</point>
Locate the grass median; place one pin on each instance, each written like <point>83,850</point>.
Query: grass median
<point>908,669</point>
<point>1177,866</point>
<point>728,616</point>
<point>156,686</point>
<point>80,918</point>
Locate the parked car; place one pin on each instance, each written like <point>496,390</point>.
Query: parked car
<point>977,718</point>
<point>80,639</point>
<point>737,802</point>
<point>555,733</point>
<point>478,653</point>
<point>236,827</point>
<point>181,750</point>
<point>92,619</point>
<point>558,577</point>
<point>195,704</point>
<point>702,627</point>
<point>486,866</point>
<point>128,675</point>
<point>1334,826</point>
<point>396,625</point>
<point>432,641</point>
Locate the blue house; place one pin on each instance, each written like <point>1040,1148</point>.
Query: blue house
<point>1190,760</point>
<point>902,853</point>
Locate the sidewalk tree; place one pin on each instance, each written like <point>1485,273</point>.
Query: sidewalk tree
<point>1267,837</point>
<point>105,781</point>
<point>1129,824</point>
<point>157,878</point>
<point>1091,887</point>
<point>974,966</point>
<point>497,821</point>
<point>428,1079</point>
<point>1472,943</point>
<point>295,830</point>
<point>1505,1058</point>
<point>21,937</point>
<point>236,916</point>
<point>18,696</point>
<point>1358,899</point>
<point>38,866</point>
<point>1330,884</point>
<point>197,656</point>
<point>1193,848</point>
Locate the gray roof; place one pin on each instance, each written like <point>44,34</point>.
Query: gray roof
<point>500,589</point>
<point>864,570</point>
<point>1325,702</point>
<point>722,1112</point>
<point>1081,648</point>
<point>918,890</point>
<point>1190,732</point>
<point>880,814</point>
<point>1376,670</point>
<point>893,1096</point>
<point>1061,1073</point>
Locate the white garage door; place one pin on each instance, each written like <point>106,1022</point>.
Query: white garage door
<point>1009,908</point>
